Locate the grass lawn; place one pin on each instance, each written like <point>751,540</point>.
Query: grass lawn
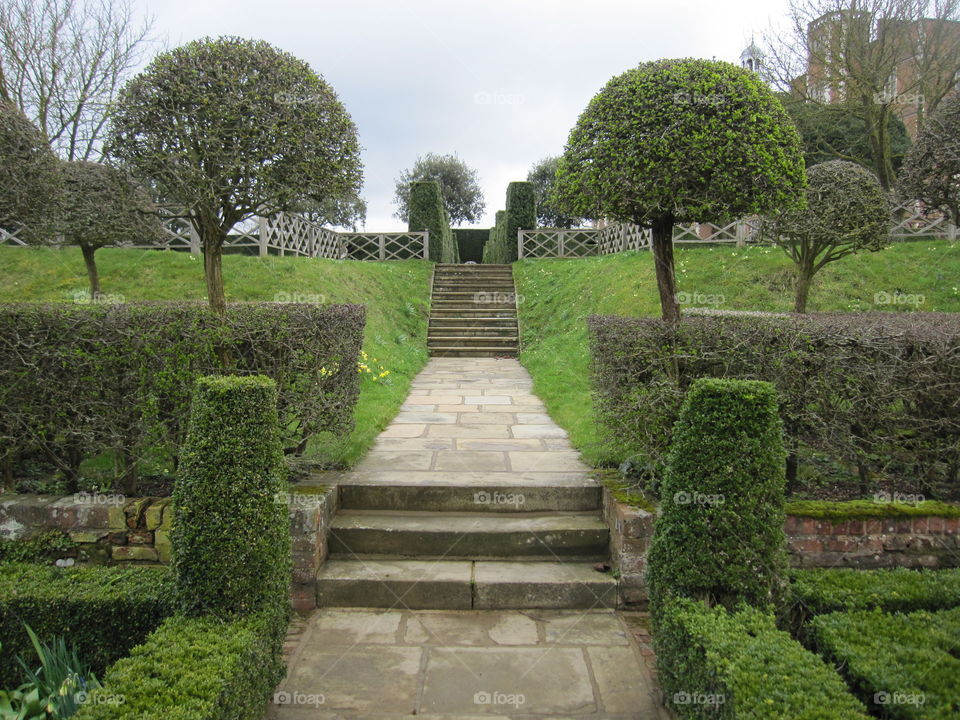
<point>397,296</point>
<point>557,296</point>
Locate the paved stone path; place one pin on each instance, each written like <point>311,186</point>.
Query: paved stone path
<point>474,420</point>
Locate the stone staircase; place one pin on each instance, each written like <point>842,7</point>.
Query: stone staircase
<point>473,312</point>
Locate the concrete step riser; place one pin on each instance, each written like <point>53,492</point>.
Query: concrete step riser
<point>473,314</point>
<point>468,333</point>
<point>464,353</point>
<point>467,343</point>
<point>494,499</point>
<point>467,323</point>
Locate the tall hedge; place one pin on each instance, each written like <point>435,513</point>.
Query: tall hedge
<point>231,536</point>
<point>495,251</point>
<point>78,380</point>
<point>875,392</point>
<point>720,535</point>
<point>470,243</point>
<point>428,213</point>
<point>521,214</point>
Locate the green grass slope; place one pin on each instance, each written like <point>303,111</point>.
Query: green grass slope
<point>557,295</point>
<point>397,296</point>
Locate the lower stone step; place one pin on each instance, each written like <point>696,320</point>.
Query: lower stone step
<point>464,585</point>
<point>484,352</point>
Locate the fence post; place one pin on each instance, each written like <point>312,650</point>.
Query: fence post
<point>562,244</point>
<point>382,240</point>
<point>426,244</point>
<point>951,231</point>
<point>519,244</point>
<point>263,236</point>
<point>741,233</point>
<point>194,239</point>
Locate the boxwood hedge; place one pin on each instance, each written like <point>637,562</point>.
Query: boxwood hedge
<point>904,666</point>
<point>713,663</point>
<point>427,212</point>
<point>105,611</point>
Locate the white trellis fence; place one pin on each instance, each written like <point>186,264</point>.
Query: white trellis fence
<point>283,234</point>
<point>908,221</point>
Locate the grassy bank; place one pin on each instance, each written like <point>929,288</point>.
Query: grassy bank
<point>397,296</point>
<point>558,295</point>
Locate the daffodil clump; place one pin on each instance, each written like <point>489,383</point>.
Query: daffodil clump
<point>371,368</point>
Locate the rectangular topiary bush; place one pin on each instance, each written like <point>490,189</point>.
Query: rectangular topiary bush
<point>427,212</point>
<point>194,669</point>
<point>105,611</point>
<point>713,663</point>
<point>875,391</point>
<point>905,667</point>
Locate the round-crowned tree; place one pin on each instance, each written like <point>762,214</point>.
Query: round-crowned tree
<point>231,128</point>
<point>931,171</point>
<point>846,212</point>
<point>103,205</point>
<point>543,176</point>
<point>680,141</point>
<point>29,175</point>
<point>459,187</point>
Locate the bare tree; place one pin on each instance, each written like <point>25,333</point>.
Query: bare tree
<point>869,58</point>
<point>62,62</point>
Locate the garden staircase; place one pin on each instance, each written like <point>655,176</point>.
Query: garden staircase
<point>473,312</point>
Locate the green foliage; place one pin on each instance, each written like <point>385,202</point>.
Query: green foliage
<point>904,666</point>
<point>543,177</point>
<point>932,168</point>
<point>698,140</point>
<point>470,243</point>
<point>865,509</point>
<point>460,189</point>
<point>195,669</point>
<point>103,611</point>
<point>748,668</point>
<point>231,530</point>
<point>496,252</point>
<point>44,547</point>
<point>831,132</point>
<point>816,592</point>
<point>846,212</point>
<point>30,181</point>
<point>719,536</point>
<point>521,214</point>
<point>427,212</point>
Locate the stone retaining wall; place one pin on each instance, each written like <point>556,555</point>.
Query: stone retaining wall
<point>922,541</point>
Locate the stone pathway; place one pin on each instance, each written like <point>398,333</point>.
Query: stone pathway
<point>412,537</point>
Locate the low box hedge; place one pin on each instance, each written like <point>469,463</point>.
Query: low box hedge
<point>905,666</point>
<point>195,669</point>
<point>713,663</point>
<point>817,592</point>
<point>104,611</point>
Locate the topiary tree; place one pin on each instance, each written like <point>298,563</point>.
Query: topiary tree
<point>521,214</point>
<point>543,176</point>
<point>428,213</point>
<point>232,128</point>
<point>719,536</point>
<point>231,535</point>
<point>29,174</point>
<point>931,171</point>
<point>102,205</point>
<point>680,141</point>
<point>846,212</point>
<point>459,187</point>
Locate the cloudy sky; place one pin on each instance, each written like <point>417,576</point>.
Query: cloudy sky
<point>499,82</point>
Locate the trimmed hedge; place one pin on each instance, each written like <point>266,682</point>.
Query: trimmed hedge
<point>231,529</point>
<point>470,243</point>
<point>713,663</point>
<point>719,536</point>
<point>105,611</point>
<point>521,214</point>
<point>495,252</point>
<point>194,669</point>
<point>907,667</point>
<point>874,390</point>
<point>817,592</point>
<point>427,212</point>
<point>76,380</point>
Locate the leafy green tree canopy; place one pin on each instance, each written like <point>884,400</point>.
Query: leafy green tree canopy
<point>459,186</point>
<point>543,176</point>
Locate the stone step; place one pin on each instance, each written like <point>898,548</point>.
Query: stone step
<point>454,352</point>
<point>473,323</point>
<point>471,341</point>
<point>474,332</point>
<point>442,304</point>
<point>479,535</point>
<point>464,585</point>
<point>457,494</point>
<point>474,312</point>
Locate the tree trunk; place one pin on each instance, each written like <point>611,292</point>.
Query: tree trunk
<point>804,278</point>
<point>130,477</point>
<point>92,273</point>
<point>213,270</point>
<point>792,470</point>
<point>662,242</point>
<point>9,482</point>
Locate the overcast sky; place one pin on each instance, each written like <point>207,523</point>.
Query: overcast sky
<point>499,82</point>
